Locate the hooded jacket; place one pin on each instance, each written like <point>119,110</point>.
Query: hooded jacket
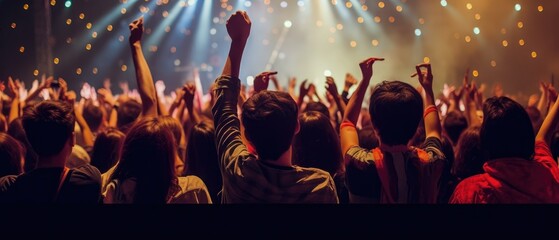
<point>513,181</point>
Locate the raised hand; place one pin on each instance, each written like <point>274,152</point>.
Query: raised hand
<point>106,96</point>
<point>124,87</point>
<point>238,26</point>
<point>63,88</point>
<point>189,93</point>
<point>46,83</point>
<point>136,30</point>
<point>349,81</point>
<point>303,90</point>
<point>292,82</point>
<point>425,78</point>
<point>367,67</point>
<point>331,86</point>
<point>262,81</point>
<point>14,88</point>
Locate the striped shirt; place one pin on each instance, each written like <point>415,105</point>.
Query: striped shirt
<point>397,175</point>
<point>246,179</point>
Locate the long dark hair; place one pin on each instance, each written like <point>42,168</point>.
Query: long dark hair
<point>317,144</point>
<point>469,157</point>
<point>11,154</point>
<point>148,156</point>
<point>106,149</point>
<point>15,130</point>
<point>201,157</point>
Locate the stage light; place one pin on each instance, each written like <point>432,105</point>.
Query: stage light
<point>301,3</point>
<point>68,4</point>
<point>417,32</point>
<point>327,73</point>
<point>444,3</point>
<point>287,24</point>
<point>518,7</point>
<point>476,31</point>
<point>248,3</point>
<point>283,4</point>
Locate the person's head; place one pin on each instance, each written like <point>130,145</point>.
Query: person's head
<point>270,122</point>
<point>176,128</point>
<point>127,114</point>
<point>49,127</point>
<point>368,138</point>
<point>93,116</point>
<point>396,109</point>
<point>201,157</point>
<point>469,158</point>
<point>3,122</point>
<point>319,107</point>
<point>454,124</point>
<point>106,149</point>
<point>180,140</point>
<point>15,130</point>
<point>11,156</point>
<point>506,131</point>
<point>535,117</point>
<point>148,155</point>
<point>317,144</point>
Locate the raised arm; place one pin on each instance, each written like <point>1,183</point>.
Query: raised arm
<point>549,124</point>
<point>471,105</point>
<point>348,135</point>
<point>45,84</point>
<point>238,28</point>
<point>544,97</point>
<point>146,87</point>
<point>189,94</point>
<point>431,117</point>
<point>227,88</point>
<point>303,91</point>
<point>15,107</point>
<point>333,90</point>
<point>348,83</point>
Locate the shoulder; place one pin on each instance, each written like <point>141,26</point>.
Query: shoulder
<point>314,174</point>
<point>86,174</point>
<point>192,191</point>
<point>191,183</point>
<point>469,189</point>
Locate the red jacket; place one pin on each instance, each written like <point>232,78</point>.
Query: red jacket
<point>513,181</point>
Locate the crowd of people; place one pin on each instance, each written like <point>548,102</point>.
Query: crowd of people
<point>239,145</point>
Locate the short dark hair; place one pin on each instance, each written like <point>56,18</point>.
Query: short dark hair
<point>454,124</point>
<point>48,125</point>
<point>11,154</point>
<point>93,116</point>
<point>127,114</point>
<point>506,130</point>
<point>368,138</point>
<point>270,121</point>
<point>319,107</point>
<point>396,109</point>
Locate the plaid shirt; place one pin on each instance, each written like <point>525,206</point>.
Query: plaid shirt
<point>249,180</point>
